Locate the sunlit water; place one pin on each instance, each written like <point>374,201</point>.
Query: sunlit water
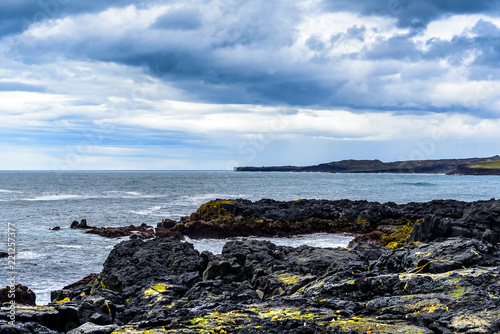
<point>48,260</point>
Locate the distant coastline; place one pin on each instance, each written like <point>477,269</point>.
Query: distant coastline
<point>471,166</point>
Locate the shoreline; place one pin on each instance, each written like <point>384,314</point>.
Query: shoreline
<point>470,166</point>
<point>433,269</point>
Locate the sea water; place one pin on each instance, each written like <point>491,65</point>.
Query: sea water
<point>47,260</point>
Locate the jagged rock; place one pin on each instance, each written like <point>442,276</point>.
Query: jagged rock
<point>24,328</point>
<point>380,223</point>
<point>377,223</point>
<point>23,295</point>
<point>166,223</point>
<point>441,276</point>
<point>83,282</point>
<point>91,328</point>
<point>82,224</point>
<point>134,232</point>
<point>438,257</point>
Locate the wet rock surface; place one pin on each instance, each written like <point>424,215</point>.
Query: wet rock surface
<point>437,273</point>
<point>23,295</point>
<point>379,223</point>
<point>165,285</point>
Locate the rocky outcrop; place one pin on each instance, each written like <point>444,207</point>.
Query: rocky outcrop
<point>143,231</point>
<point>471,166</point>
<point>447,285</point>
<point>135,232</point>
<point>387,224</point>
<point>82,224</point>
<point>3,254</point>
<point>426,268</point>
<point>380,223</point>
<point>23,295</point>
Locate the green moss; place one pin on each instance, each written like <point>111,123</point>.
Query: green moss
<point>211,210</point>
<point>362,222</point>
<point>399,237</point>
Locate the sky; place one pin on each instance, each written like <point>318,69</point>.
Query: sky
<point>214,84</point>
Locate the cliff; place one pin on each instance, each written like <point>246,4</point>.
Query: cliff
<point>471,166</point>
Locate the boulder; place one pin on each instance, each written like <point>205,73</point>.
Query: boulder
<point>23,295</point>
<point>81,225</point>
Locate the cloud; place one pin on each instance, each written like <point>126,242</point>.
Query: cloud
<point>180,19</point>
<point>415,14</point>
<point>397,47</point>
<point>19,86</point>
<point>214,75</point>
<point>285,57</point>
<point>17,15</point>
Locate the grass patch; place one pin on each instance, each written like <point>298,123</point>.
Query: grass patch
<point>494,164</point>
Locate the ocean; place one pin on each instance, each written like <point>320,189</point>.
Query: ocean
<point>35,201</point>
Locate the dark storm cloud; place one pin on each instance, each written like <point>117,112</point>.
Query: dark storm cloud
<point>414,13</point>
<point>483,44</point>
<point>397,47</point>
<point>17,15</point>
<point>245,54</point>
<point>182,19</point>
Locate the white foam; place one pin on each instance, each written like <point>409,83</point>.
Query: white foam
<point>70,246</point>
<point>152,211</point>
<point>28,255</point>
<point>6,191</point>
<point>203,198</point>
<point>54,198</point>
<point>131,194</point>
<point>321,240</point>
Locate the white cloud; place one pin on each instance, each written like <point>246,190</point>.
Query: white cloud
<point>452,26</point>
<point>245,71</point>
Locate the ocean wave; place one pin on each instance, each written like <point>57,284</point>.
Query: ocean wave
<point>71,246</point>
<point>203,198</point>
<point>131,194</point>
<point>55,198</point>
<point>28,255</point>
<point>417,184</point>
<point>151,211</point>
<point>7,191</point>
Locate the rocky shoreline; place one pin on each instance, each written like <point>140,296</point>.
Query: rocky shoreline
<point>379,223</point>
<point>416,268</point>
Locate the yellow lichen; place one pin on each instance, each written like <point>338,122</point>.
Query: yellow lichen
<point>155,289</point>
<point>65,300</point>
<point>392,245</point>
<point>289,279</point>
